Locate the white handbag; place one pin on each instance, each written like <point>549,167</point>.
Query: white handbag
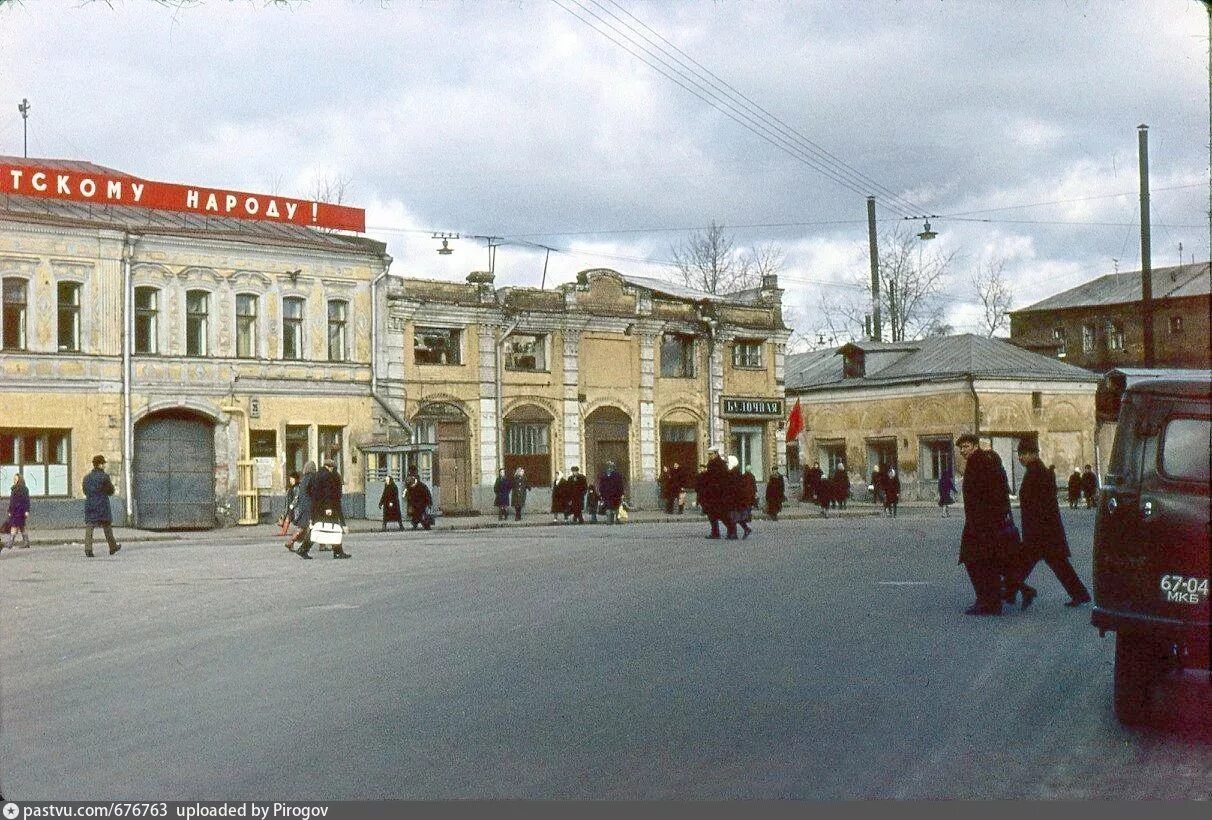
<point>326,532</point>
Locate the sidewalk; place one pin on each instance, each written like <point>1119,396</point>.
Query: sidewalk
<point>796,510</point>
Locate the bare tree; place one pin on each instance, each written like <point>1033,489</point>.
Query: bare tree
<point>709,261</point>
<point>995,295</point>
<point>330,188</point>
<point>911,290</point>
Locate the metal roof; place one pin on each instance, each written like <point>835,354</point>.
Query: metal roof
<point>1125,288</point>
<point>961,356</point>
<point>672,289</point>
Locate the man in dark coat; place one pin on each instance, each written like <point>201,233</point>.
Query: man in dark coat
<point>776,494</point>
<point>326,504</point>
<point>389,502</point>
<point>1090,486</point>
<point>500,491</point>
<point>418,498</point>
<point>610,487</point>
<point>986,508</point>
<point>517,493</point>
<point>1043,533</point>
<point>575,487</point>
<point>841,486</point>
<point>97,490</point>
<point>710,488</point>
<point>812,482</point>
<point>1075,488</point>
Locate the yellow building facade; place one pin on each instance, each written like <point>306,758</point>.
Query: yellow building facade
<point>610,368</point>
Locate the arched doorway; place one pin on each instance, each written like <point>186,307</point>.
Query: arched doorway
<point>445,424</point>
<point>607,439</point>
<point>174,471</point>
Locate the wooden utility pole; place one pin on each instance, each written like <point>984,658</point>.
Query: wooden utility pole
<point>1146,261</point>
<point>875,270</point>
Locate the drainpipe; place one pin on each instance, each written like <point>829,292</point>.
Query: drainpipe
<point>976,407</point>
<point>711,327</point>
<point>128,334</point>
<point>374,351</point>
<point>501,337</point>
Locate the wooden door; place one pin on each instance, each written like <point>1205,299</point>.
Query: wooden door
<point>454,466</point>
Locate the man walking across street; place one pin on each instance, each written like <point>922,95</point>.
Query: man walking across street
<point>97,490</point>
<point>326,504</point>
<point>710,488</point>
<point>1043,532</point>
<point>986,507</point>
<point>1090,487</point>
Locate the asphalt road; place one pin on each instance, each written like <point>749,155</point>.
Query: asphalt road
<point>817,660</point>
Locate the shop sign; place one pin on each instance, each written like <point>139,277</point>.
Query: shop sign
<point>734,406</point>
<point>100,188</point>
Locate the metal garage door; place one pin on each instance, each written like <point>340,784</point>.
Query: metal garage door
<point>174,472</point>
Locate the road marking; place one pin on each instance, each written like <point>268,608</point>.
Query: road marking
<point>903,583</point>
<point>331,606</point>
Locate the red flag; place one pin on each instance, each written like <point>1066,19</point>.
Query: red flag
<point>795,422</point>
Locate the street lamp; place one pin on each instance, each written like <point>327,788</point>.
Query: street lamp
<point>927,234</point>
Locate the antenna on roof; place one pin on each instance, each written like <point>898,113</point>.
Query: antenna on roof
<point>1115,262</point>
<point>23,107</point>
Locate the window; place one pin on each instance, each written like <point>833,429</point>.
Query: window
<point>1058,334</point>
<point>936,458</point>
<point>528,445</point>
<point>41,458</point>
<point>246,326</point>
<point>15,296</point>
<point>747,353</point>
<point>298,453</point>
<point>525,351</point>
<point>435,345</point>
<point>263,443</point>
<point>1185,449</point>
<point>746,443</point>
<point>1088,334</point>
<point>1115,336</point>
<point>1176,324</point>
<point>292,328</point>
<point>69,316</point>
<point>830,455</point>
<point>147,311</point>
<point>854,364</point>
<point>197,318</point>
<point>677,356</point>
<point>679,445</point>
<point>330,441</point>
<point>338,316</point>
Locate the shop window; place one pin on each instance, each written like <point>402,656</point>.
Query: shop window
<point>41,458</point>
<point>263,443</point>
<point>292,328</point>
<point>15,293</point>
<point>1089,332</point>
<point>331,443</point>
<point>526,351</point>
<point>246,326</point>
<point>69,316</point>
<point>747,353</point>
<point>197,322</point>
<point>936,456</point>
<point>1115,336</point>
<point>436,345</point>
<point>677,356</point>
<point>746,443</point>
<point>147,320</point>
<point>1058,335</point>
<point>338,341</point>
<point>297,451</point>
<point>528,445</point>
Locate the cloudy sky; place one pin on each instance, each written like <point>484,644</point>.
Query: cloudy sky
<point>1015,122</point>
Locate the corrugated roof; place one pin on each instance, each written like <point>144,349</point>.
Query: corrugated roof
<point>1125,288</point>
<point>957,356</point>
<point>672,289</point>
<point>175,223</point>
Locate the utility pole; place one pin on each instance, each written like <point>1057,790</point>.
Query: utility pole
<point>1146,257</point>
<point>875,271</point>
<point>23,107</point>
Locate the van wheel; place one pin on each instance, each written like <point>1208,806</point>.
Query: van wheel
<point>1139,662</point>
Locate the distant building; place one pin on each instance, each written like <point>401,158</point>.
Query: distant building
<point>609,368</point>
<point>903,404</point>
<point>202,354</point>
<point>1097,325</point>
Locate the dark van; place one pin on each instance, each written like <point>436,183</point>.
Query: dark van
<point>1151,552</point>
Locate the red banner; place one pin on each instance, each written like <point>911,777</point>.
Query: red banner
<point>120,189</point>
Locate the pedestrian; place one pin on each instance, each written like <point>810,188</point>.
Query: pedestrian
<point>1090,487</point>
<point>679,485</point>
<point>986,509</point>
<point>326,504</point>
<point>593,501</point>
<point>665,487</point>
<point>946,491</point>
<point>500,492</point>
<point>418,498</point>
<point>776,494</point>
<point>97,490</point>
<point>737,499</point>
<point>892,491</point>
<point>1075,488</point>
<point>389,502</point>
<point>610,487</point>
<point>1043,533</point>
<point>876,487</point>
<point>301,517</point>
<point>557,498</point>
<point>710,487</point>
<point>841,485</point>
<point>288,504</point>
<point>812,482</point>
<point>575,488</point>
<point>517,493</point>
<point>18,512</point>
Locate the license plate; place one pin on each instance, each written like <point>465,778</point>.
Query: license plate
<point>1184,589</point>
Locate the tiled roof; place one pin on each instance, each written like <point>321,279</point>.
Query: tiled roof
<point>935,358</point>
<point>1125,288</point>
<point>64,212</point>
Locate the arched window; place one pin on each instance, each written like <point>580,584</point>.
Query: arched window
<point>528,443</point>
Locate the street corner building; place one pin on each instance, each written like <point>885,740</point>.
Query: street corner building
<point>205,342</point>
<point>610,368</point>
<point>868,404</point>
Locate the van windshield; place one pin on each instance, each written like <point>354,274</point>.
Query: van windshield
<point>1185,449</point>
